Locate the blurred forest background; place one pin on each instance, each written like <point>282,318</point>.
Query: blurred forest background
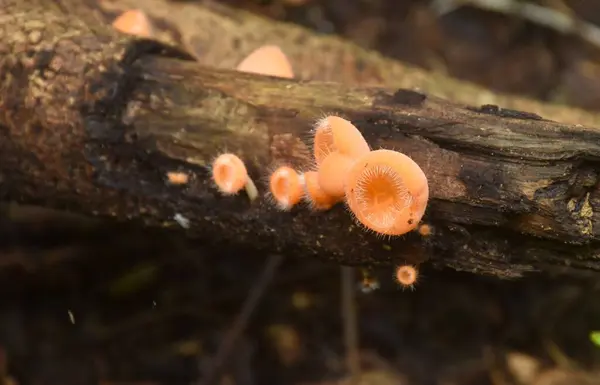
<point>89,301</point>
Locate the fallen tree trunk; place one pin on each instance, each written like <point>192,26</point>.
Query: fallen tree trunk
<point>221,36</point>
<point>92,122</point>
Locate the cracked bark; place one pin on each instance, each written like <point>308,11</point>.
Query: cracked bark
<point>91,121</point>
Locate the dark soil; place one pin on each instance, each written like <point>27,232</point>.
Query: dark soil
<point>112,303</point>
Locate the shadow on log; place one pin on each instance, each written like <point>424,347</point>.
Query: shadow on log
<point>92,122</point>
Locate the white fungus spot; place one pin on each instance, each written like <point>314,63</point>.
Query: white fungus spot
<point>183,221</point>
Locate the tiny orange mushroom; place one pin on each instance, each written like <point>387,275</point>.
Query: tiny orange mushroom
<point>229,174</point>
<point>334,134</point>
<point>387,192</point>
<point>134,22</point>
<point>425,230</point>
<point>407,275</point>
<point>267,60</point>
<point>286,187</point>
<point>315,195</point>
<point>332,174</point>
<point>177,177</point>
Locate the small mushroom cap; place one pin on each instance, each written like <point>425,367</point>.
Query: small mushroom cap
<point>134,22</point>
<point>335,134</point>
<point>332,174</point>
<point>387,192</point>
<point>267,60</point>
<point>407,275</point>
<point>286,187</point>
<point>229,173</point>
<point>315,195</point>
<point>425,230</point>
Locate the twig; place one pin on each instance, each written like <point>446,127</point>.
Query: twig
<point>242,319</point>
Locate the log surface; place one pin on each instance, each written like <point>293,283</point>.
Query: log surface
<point>91,121</point>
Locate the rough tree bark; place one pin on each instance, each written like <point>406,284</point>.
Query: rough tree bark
<point>91,121</point>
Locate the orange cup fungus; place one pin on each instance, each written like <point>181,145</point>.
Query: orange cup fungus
<point>425,230</point>
<point>407,275</point>
<point>387,192</point>
<point>267,60</point>
<point>334,134</point>
<point>177,177</point>
<point>229,174</point>
<point>332,174</point>
<point>134,22</point>
<point>315,195</point>
<point>286,187</point>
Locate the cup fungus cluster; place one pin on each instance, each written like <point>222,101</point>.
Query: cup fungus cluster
<point>386,191</point>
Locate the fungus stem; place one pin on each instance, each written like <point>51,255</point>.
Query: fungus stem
<point>251,189</point>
